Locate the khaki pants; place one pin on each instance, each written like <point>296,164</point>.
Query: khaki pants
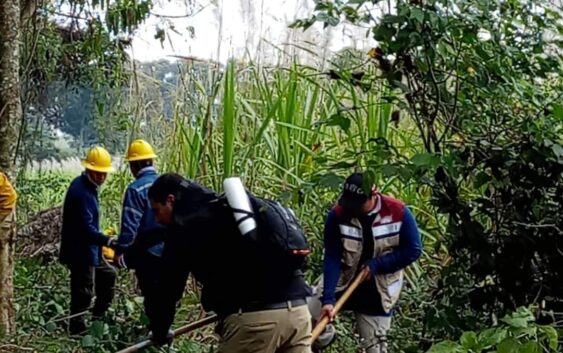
<point>268,331</point>
<point>372,329</point>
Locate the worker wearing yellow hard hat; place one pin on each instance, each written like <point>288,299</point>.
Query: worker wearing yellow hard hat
<point>140,242</point>
<point>82,241</point>
<point>98,164</point>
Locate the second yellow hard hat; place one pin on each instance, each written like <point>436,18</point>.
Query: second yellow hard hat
<point>139,150</point>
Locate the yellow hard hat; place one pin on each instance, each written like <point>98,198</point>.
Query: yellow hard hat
<point>139,150</point>
<point>98,159</point>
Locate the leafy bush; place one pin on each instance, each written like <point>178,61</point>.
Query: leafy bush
<point>517,333</point>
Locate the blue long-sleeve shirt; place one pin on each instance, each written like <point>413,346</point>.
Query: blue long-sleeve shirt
<point>81,237</point>
<point>409,249</point>
<point>137,216</point>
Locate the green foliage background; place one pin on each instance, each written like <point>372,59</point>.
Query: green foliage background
<point>458,112</point>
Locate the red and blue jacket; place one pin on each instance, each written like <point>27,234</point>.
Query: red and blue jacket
<point>391,230</point>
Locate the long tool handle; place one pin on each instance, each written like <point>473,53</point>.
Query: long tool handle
<point>178,332</point>
<point>340,303</point>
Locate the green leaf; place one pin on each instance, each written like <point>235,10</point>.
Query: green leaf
<point>491,337</point>
<point>144,319</point>
<point>87,341</point>
<point>389,170</point>
<point>391,19</point>
<point>551,335</point>
<point>383,33</point>
<point>516,322</point>
<point>59,309</point>
<point>406,173</point>
<point>97,329</point>
<point>425,160</point>
<point>328,19</point>
<point>557,150</point>
<point>469,340</point>
<point>529,331</point>
<point>100,108</point>
<point>339,120</point>
<point>415,39</point>
<point>481,179</point>
<point>417,14</point>
<point>129,306</point>
<point>50,326</point>
<point>333,21</point>
<point>324,5</point>
<point>509,345</point>
<point>447,347</point>
<point>330,180</point>
<point>558,111</point>
<point>305,24</point>
<point>530,347</point>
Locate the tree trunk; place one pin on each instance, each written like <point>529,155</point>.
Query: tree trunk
<point>10,118</point>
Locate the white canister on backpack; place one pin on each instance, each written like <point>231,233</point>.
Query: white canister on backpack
<point>238,201</point>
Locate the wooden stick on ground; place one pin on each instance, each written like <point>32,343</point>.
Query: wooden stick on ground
<point>325,319</point>
<point>178,332</point>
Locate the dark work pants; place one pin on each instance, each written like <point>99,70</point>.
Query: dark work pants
<point>148,274</point>
<point>85,281</point>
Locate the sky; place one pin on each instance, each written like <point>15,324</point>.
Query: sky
<point>227,28</point>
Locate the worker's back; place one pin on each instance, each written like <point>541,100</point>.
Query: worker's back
<point>138,218</point>
<point>234,271</point>
<point>80,211</point>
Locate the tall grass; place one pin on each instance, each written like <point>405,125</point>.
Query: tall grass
<point>290,133</point>
<point>229,121</point>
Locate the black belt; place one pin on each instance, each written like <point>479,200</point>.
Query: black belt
<point>272,306</point>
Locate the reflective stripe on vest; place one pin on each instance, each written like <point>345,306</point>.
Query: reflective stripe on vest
<point>386,230</point>
<point>350,232</point>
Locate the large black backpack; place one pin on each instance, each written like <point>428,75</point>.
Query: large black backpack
<point>278,233</point>
<point>278,236</point>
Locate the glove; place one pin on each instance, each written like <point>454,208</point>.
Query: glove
<point>108,253</point>
<point>159,339</point>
